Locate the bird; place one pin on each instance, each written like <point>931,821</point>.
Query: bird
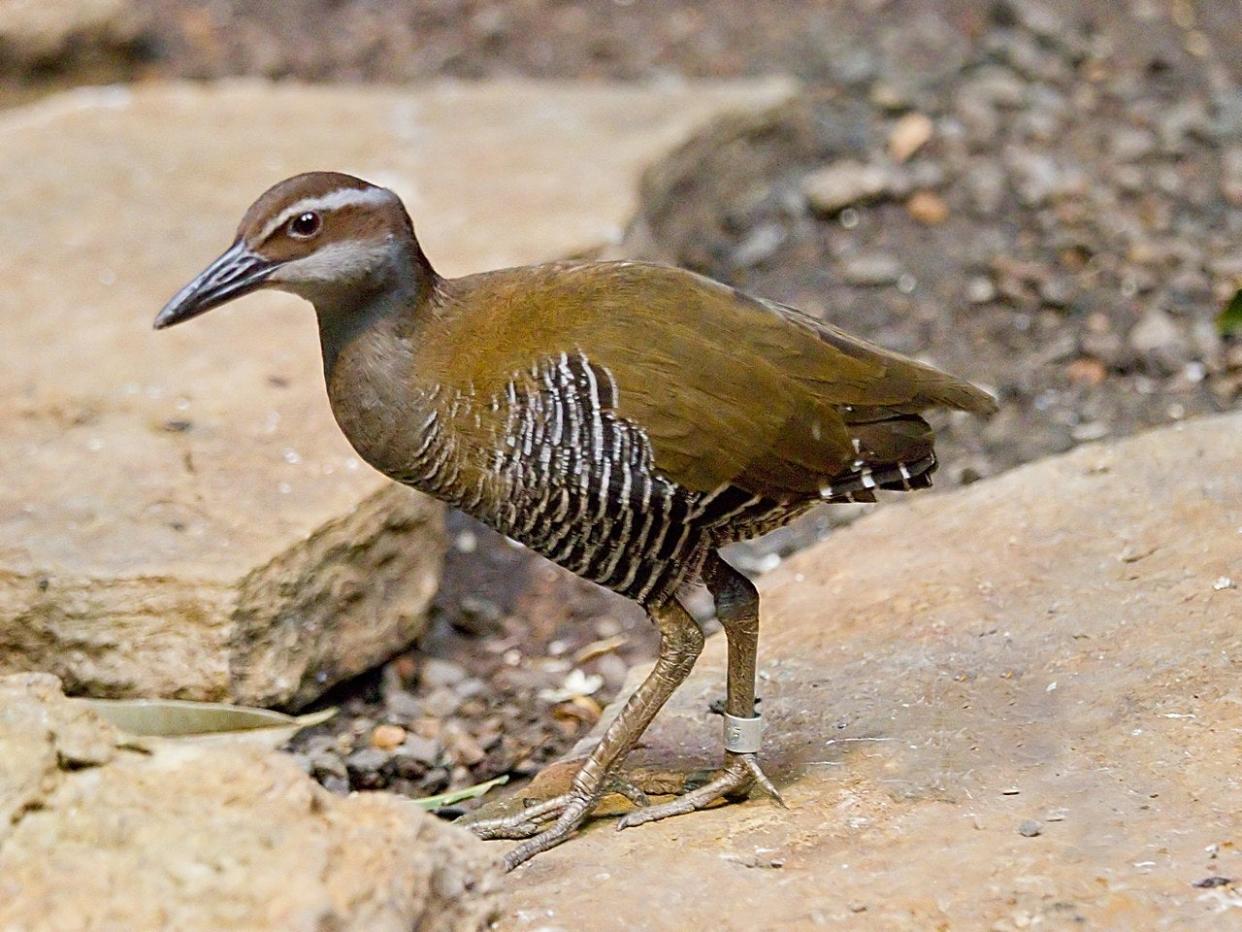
<point>624,419</point>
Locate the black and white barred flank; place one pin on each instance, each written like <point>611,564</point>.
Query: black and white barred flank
<point>577,483</point>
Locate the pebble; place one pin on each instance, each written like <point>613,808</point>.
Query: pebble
<point>1159,338</point>
<point>872,269</point>
<point>364,766</point>
<point>416,755</point>
<point>1130,144</point>
<point>986,184</point>
<point>928,208</point>
<point>830,189</point>
<point>759,245</point>
<point>908,135</point>
<point>478,617</point>
<point>387,737</point>
<point>402,704</point>
<point>438,672</point>
<point>1031,828</point>
<point>980,290</point>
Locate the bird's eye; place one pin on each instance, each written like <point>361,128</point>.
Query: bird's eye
<point>304,226</point>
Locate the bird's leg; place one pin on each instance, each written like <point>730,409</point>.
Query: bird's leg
<point>737,606</point>
<point>680,644</point>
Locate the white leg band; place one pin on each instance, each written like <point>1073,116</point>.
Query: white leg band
<point>743,735</point>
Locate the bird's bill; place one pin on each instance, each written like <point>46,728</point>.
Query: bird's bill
<point>237,272</point>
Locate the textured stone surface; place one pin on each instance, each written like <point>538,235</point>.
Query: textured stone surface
<point>36,31</point>
<point>95,834</point>
<point>178,513</point>
<point>1015,706</point>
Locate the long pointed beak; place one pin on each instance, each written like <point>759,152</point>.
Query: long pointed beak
<point>237,272</point>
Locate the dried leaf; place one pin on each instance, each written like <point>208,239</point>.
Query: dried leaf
<point>430,803</point>
<point>183,721</point>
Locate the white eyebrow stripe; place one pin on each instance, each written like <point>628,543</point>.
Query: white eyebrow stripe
<point>341,197</point>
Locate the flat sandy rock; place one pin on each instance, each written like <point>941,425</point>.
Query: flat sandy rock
<point>179,515</point>
<point>1015,706</point>
<point>98,832</point>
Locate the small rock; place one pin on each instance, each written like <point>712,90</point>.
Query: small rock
<point>986,185</point>
<point>872,269</point>
<point>387,737</point>
<point>327,764</point>
<point>1086,371</point>
<point>1031,828</point>
<point>423,750</point>
<point>1056,290</point>
<point>928,207</point>
<point>760,244</point>
<point>1157,337</point>
<point>909,134</point>
<point>478,617</point>
<point>366,761</point>
<point>437,672</point>
<point>980,290</point>
<point>1208,883</point>
<point>834,187</point>
<point>1130,144</point>
<point>441,702</point>
<point>402,705</point>
<point>1089,431</point>
<point>1038,177</point>
<point>1231,175</point>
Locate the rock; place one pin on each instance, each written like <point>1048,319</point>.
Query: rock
<point>871,269</point>
<point>928,208</point>
<point>388,737</point>
<point>1056,631</point>
<point>436,671</point>
<point>759,245</point>
<point>986,184</point>
<point>99,833</point>
<point>1231,175</point>
<point>842,184</point>
<point>1039,177</point>
<point>908,135</point>
<point>1131,143</point>
<point>37,33</point>
<point>1158,338</point>
<point>980,290</point>
<point>179,515</point>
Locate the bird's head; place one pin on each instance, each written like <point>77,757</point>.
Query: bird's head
<point>323,235</point>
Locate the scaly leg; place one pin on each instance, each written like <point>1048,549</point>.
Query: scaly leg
<point>737,606</point>
<point>680,644</point>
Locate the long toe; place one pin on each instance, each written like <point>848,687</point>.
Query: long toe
<point>740,773</point>
<point>522,824</point>
<point>566,824</point>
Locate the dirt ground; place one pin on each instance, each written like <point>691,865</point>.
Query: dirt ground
<point>1065,236</point>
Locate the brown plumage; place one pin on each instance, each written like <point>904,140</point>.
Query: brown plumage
<point>623,419</point>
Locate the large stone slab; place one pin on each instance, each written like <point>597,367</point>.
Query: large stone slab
<point>178,514</point>
<point>99,833</point>
<point>1015,706</point>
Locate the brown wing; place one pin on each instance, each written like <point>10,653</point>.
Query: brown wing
<point>730,389</point>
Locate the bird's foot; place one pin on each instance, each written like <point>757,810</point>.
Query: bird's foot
<point>566,812</point>
<point>740,773</point>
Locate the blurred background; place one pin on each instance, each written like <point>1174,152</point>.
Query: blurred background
<point>1044,197</point>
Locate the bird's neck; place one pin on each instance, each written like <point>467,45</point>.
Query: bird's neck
<point>370,337</point>
<point>384,307</point>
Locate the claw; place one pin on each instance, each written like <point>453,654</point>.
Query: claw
<point>740,772</point>
<point>573,815</point>
<point>522,824</point>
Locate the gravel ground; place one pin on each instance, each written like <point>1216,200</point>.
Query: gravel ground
<point>1045,197</point>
